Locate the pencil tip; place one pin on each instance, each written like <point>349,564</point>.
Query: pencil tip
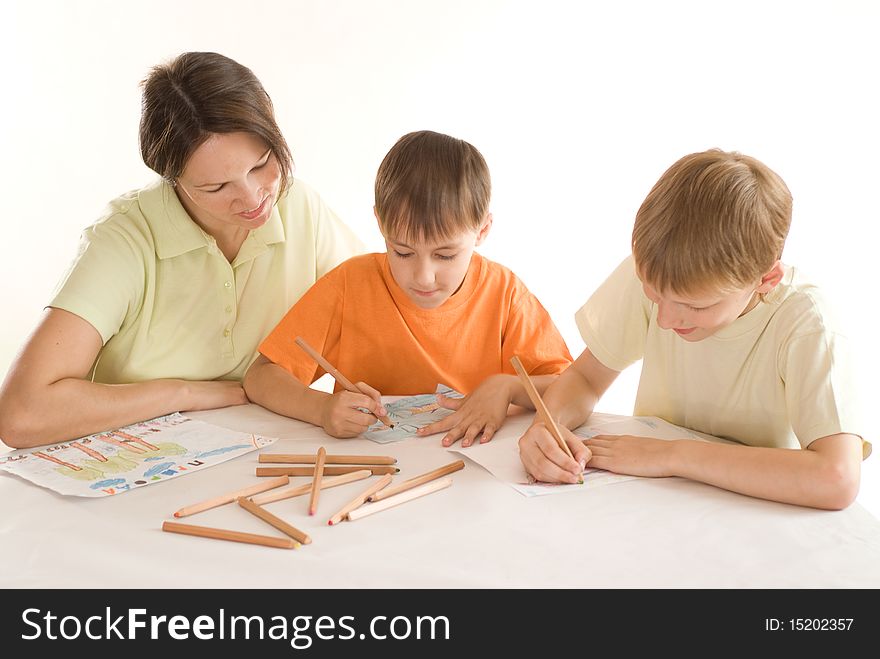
<point>177,514</point>
<point>330,522</point>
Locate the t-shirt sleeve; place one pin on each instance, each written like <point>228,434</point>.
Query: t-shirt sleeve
<point>105,281</point>
<point>334,241</point>
<point>317,318</point>
<point>614,321</point>
<point>531,335</point>
<point>819,387</point>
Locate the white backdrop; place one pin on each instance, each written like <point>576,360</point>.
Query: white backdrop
<point>578,108</point>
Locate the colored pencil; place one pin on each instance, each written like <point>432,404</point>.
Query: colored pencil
<point>234,536</point>
<point>541,408</point>
<point>232,496</point>
<point>397,499</point>
<point>334,372</point>
<point>299,490</point>
<point>277,522</point>
<point>309,458</point>
<point>316,480</point>
<point>417,480</point>
<point>376,470</point>
<point>359,500</point>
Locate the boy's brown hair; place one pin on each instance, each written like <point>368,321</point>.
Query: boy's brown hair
<point>431,187</point>
<point>715,220</point>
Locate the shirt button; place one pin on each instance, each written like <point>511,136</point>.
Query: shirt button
<point>228,284</point>
<point>229,309</point>
<point>225,332</point>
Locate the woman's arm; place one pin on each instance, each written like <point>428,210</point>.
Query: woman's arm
<point>47,398</point>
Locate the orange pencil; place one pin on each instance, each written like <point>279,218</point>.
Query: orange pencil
<point>234,536</point>
<point>223,499</point>
<point>316,480</point>
<point>275,521</point>
<point>310,458</point>
<point>403,497</point>
<point>359,500</point>
<point>417,480</point>
<point>299,490</point>
<point>335,470</point>
<point>333,371</point>
<point>542,410</point>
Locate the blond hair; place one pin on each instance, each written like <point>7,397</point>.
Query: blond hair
<point>715,220</point>
<point>431,187</point>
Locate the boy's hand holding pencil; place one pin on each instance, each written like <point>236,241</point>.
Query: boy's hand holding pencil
<point>350,412</point>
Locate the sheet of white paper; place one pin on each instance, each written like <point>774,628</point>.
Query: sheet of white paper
<point>502,460</point>
<point>409,414</point>
<point>143,453</point>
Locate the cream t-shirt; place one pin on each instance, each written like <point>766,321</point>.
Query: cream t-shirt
<point>168,304</point>
<point>778,376</point>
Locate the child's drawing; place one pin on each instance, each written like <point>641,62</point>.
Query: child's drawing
<point>108,463</point>
<point>409,414</point>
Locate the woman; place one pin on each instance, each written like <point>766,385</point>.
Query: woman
<point>174,287</point>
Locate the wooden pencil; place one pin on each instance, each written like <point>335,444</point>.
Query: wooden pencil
<point>223,499</point>
<point>397,499</point>
<point>334,372</point>
<point>417,480</point>
<point>277,522</point>
<point>309,458</point>
<point>299,490</point>
<point>316,480</point>
<point>541,408</point>
<point>359,500</point>
<point>234,536</point>
<point>336,470</point>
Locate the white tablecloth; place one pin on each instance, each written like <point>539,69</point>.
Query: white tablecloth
<point>654,533</point>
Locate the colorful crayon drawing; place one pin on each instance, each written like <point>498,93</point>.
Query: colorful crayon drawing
<point>409,414</point>
<point>112,462</point>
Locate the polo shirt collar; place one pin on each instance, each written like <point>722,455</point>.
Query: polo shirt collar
<point>174,231</point>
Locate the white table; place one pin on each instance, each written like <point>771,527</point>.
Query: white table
<point>479,533</point>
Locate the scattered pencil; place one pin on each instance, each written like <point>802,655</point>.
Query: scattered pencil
<point>359,500</point>
<point>223,499</point>
<point>542,410</point>
<point>309,458</point>
<point>376,470</point>
<point>300,490</point>
<point>403,497</point>
<point>316,480</point>
<point>334,372</point>
<point>277,522</point>
<point>417,480</point>
<point>234,536</point>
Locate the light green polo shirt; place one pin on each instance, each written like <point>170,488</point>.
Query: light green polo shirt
<point>168,304</point>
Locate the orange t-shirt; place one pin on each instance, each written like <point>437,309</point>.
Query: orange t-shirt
<point>366,326</point>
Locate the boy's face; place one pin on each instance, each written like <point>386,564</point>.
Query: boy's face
<point>698,317</point>
<point>430,273</point>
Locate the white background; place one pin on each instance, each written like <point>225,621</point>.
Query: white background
<point>578,108</point>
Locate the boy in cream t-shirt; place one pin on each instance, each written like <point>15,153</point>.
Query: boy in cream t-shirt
<point>733,343</point>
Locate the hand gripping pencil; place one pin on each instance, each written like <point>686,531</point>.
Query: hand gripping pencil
<point>542,410</point>
<point>339,377</point>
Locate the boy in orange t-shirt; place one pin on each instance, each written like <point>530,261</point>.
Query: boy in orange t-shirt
<point>430,310</point>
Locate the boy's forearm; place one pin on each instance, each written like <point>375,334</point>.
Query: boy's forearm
<point>269,385</point>
<point>798,476</point>
<point>568,397</point>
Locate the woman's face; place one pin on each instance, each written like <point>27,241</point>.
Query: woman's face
<point>231,180</point>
